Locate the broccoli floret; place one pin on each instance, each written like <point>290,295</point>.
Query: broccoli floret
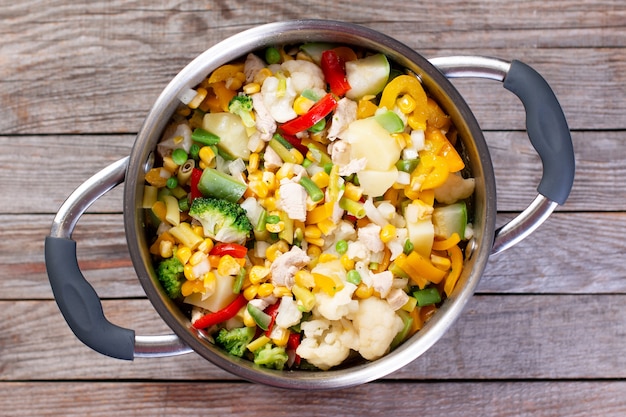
<point>170,274</point>
<point>241,105</point>
<point>235,341</point>
<point>221,220</point>
<point>271,356</point>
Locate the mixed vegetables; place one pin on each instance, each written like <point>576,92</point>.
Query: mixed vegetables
<point>309,205</point>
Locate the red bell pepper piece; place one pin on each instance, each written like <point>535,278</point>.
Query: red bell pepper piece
<point>292,344</point>
<point>194,192</point>
<point>271,311</point>
<point>296,143</point>
<point>334,69</point>
<point>222,315</point>
<point>320,109</point>
<point>233,249</point>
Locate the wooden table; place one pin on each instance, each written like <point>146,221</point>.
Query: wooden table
<point>541,337</point>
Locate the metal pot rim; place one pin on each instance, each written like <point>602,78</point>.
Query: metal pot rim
<point>436,84</point>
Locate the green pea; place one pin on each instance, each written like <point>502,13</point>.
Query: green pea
<point>179,156</point>
<point>341,247</point>
<point>272,55</point>
<point>172,182</point>
<point>353,277</point>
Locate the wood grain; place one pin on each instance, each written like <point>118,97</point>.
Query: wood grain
<point>519,399</point>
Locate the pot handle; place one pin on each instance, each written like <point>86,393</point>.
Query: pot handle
<point>78,301</point>
<point>547,130</point>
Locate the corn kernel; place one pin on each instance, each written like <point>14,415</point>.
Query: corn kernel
<point>346,262</point>
<point>270,204</point>
<point>259,188</point>
<point>253,163</point>
<point>255,176</point>
<point>265,290</point>
<point>258,274</point>
<point>188,272</point>
<point>206,155</point>
<point>317,242</point>
<point>388,233</point>
<point>228,266</point>
<point>251,292</point>
<point>327,257</point>
<point>304,279</point>
<point>280,336</point>
<point>321,179</point>
<point>269,178</point>
<point>192,287</point>
<point>198,230</point>
<point>285,171</point>
<point>233,83</point>
<point>363,291</point>
<point>210,281</point>
<point>262,75</point>
<point>352,192</point>
<point>199,98</point>
<point>275,227</point>
<point>400,139</point>
<point>282,292</point>
<point>183,253</point>
<point>251,88</point>
<point>416,123</point>
<point>196,258</point>
<point>302,105</point>
<point>327,226</point>
<point>206,246</point>
<point>297,156</point>
<point>273,251</point>
<point>248,321</point>
<point>312,231</point>
<point>406,104</point>
<point>169,164</point>
<point>166,249</point>
<point>314,251</point>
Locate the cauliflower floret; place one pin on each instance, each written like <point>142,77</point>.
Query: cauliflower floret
<point>454,189</point>
<point>288,313</point>
<point>327,343</point>
<point>304,75</point>
<point>377,324</point>
<point>358,251</point>
<point>280,105</point>
<point>338,305</point>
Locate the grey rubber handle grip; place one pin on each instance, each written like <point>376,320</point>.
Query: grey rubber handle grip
<point>547,130</point>
<point>80,305</point>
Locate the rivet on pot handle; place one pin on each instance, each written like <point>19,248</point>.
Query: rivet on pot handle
<point>78,301</point>
<point>547,130</point>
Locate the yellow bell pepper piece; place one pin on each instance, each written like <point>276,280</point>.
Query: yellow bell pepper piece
<point>456,258</point>
<point>330,284</point>
<point>431,172</point>
<point>406,84</point>
<point>225,72</point>
<point>420,269</point>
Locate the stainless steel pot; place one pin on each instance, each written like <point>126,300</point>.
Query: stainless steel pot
<point>547,130</point>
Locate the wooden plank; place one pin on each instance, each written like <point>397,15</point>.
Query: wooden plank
<point>519,399</point>
<point>572,253</point>
<point>497,337</point>
<point>120,69</point>
<point>600,182</point>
